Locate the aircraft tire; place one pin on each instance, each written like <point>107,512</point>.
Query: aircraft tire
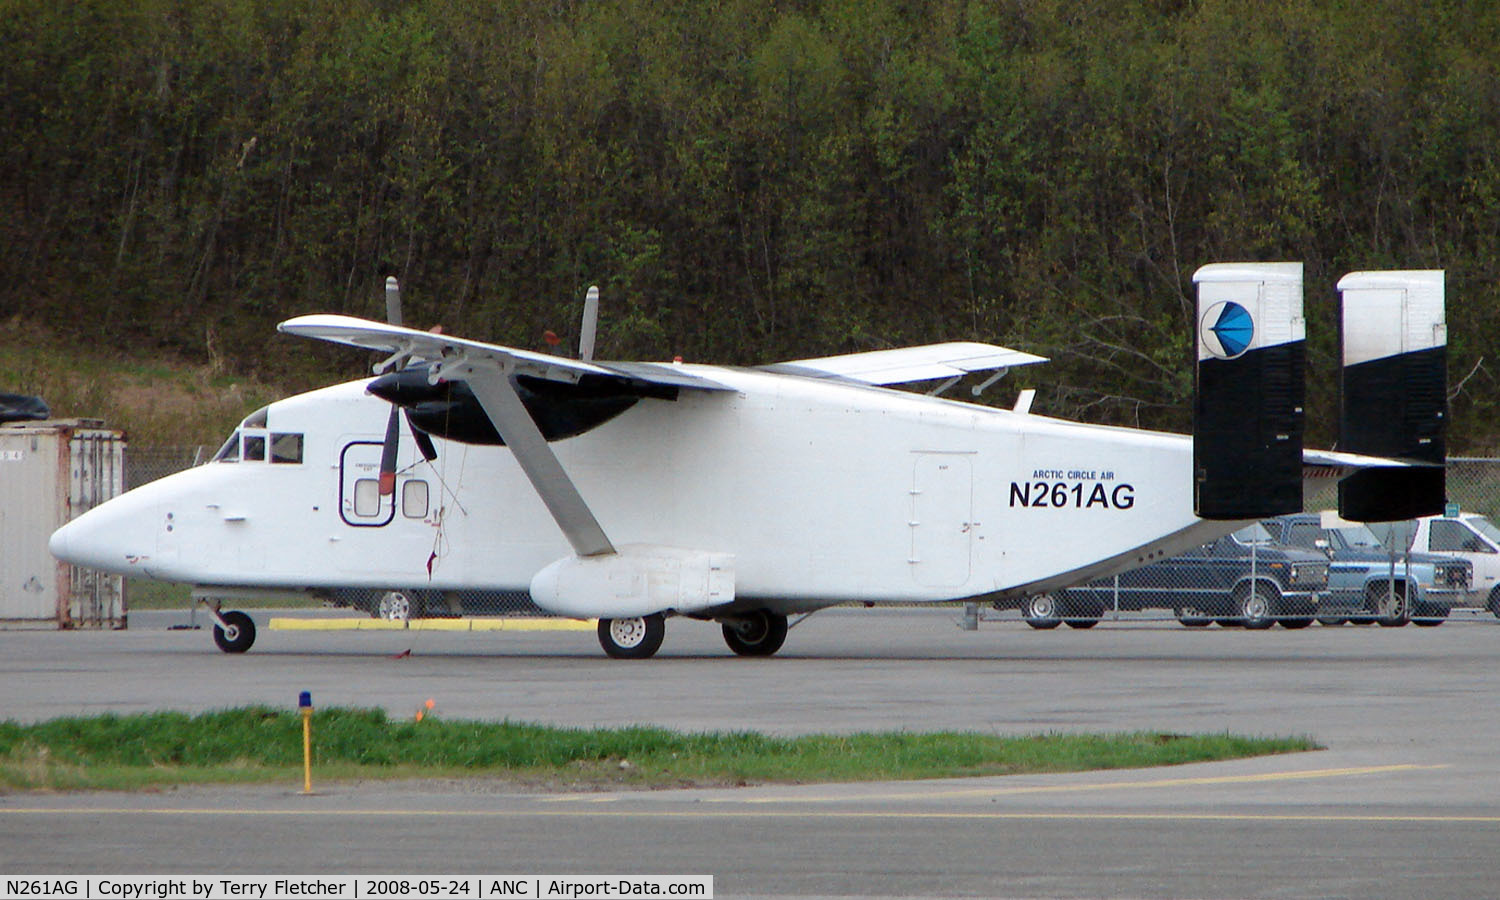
<point>637,637</point>
<point>1332,621</point>
<point>1040,611</point>
<point>239,636</point>
<point>1294,621</point>
<point>758,633</point>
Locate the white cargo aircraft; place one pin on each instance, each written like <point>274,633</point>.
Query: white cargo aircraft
<point>634,492</point>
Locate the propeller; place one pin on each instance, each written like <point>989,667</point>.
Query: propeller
<point>392,442</point>
<point>405,385</point>
<point>590,324</point>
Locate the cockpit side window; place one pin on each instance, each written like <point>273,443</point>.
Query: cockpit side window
<point>230,452</point>
<point>286,448</point>
<point>255,448</point>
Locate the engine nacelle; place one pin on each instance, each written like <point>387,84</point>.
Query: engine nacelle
<point>637,580</point>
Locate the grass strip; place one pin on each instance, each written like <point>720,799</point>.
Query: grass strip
<point>256,744</point>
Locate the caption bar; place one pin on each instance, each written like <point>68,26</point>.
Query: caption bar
<point>474,887</point>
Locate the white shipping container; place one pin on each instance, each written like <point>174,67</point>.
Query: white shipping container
<point>50,472</point>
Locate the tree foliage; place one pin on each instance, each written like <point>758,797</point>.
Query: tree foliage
<point>750,181</point>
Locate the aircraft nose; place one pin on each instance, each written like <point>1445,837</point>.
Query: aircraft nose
<point>78,543</point>
<point>114,537</point>
<point>57,545</point>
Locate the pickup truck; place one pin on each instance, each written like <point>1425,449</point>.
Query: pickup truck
<point>1472,537</point>
<point>1367,582</point>
<point>1242,578</point>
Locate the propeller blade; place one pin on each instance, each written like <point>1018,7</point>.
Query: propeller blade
<point>423,439</point>
<point>388,453</point>
<point>590,325</point>
<point>392,301</point>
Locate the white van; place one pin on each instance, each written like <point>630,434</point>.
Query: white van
<point>1474,538</point>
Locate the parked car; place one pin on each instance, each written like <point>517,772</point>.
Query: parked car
<point>1244,578</point>
<point>1472,537</point>
<point>401,604</point>
<point>1367,582</point>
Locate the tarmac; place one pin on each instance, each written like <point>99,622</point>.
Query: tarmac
<point>1405,802</point>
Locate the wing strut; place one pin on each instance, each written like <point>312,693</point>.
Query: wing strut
<point>503,405</point>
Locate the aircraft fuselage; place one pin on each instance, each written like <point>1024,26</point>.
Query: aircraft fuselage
<point>822,492</point>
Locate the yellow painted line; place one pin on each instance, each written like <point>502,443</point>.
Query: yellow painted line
<point>459,624</point>
<point>555,813</point>
<point>918,794</point>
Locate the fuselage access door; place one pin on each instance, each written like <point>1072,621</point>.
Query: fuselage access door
<point>942,518</point>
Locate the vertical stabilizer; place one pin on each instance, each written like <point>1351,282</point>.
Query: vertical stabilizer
<point>1395,392</point>
<point>1247,407</point>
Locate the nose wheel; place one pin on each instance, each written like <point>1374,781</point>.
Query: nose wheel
<point>235,632</point>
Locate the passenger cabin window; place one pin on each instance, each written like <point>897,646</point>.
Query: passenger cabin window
<point>255,448</point>
<point>230,452</point>
<point>414,499</point>
<point>1455,537</point>
<point>367,497</point>
<point>286,448</point>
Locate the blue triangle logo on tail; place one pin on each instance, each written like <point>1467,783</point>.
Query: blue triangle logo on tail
<point>1228,330</point>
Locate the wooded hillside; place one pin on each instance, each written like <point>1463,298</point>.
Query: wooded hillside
<point>750,181</point>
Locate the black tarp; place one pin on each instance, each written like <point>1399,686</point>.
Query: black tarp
<point>21,408</point>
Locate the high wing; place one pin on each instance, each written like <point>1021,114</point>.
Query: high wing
<point>923,363</point>
<point>442,348</point>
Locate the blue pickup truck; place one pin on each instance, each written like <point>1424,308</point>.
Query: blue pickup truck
<point>1366,583</point>
<point>1244,578</point>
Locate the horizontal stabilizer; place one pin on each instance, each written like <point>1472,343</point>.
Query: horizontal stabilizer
<point>1386,494</point>
<point>907,364</point>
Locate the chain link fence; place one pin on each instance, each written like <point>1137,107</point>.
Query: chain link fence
<point>1290,571</point>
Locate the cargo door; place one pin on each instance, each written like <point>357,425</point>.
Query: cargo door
<point>942,507</point>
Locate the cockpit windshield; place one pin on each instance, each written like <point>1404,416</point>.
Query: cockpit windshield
<point>230,452</point>
<point>247,445</point>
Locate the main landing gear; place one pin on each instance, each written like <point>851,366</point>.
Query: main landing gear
<point>637,637</point>
<point>756,633</point>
